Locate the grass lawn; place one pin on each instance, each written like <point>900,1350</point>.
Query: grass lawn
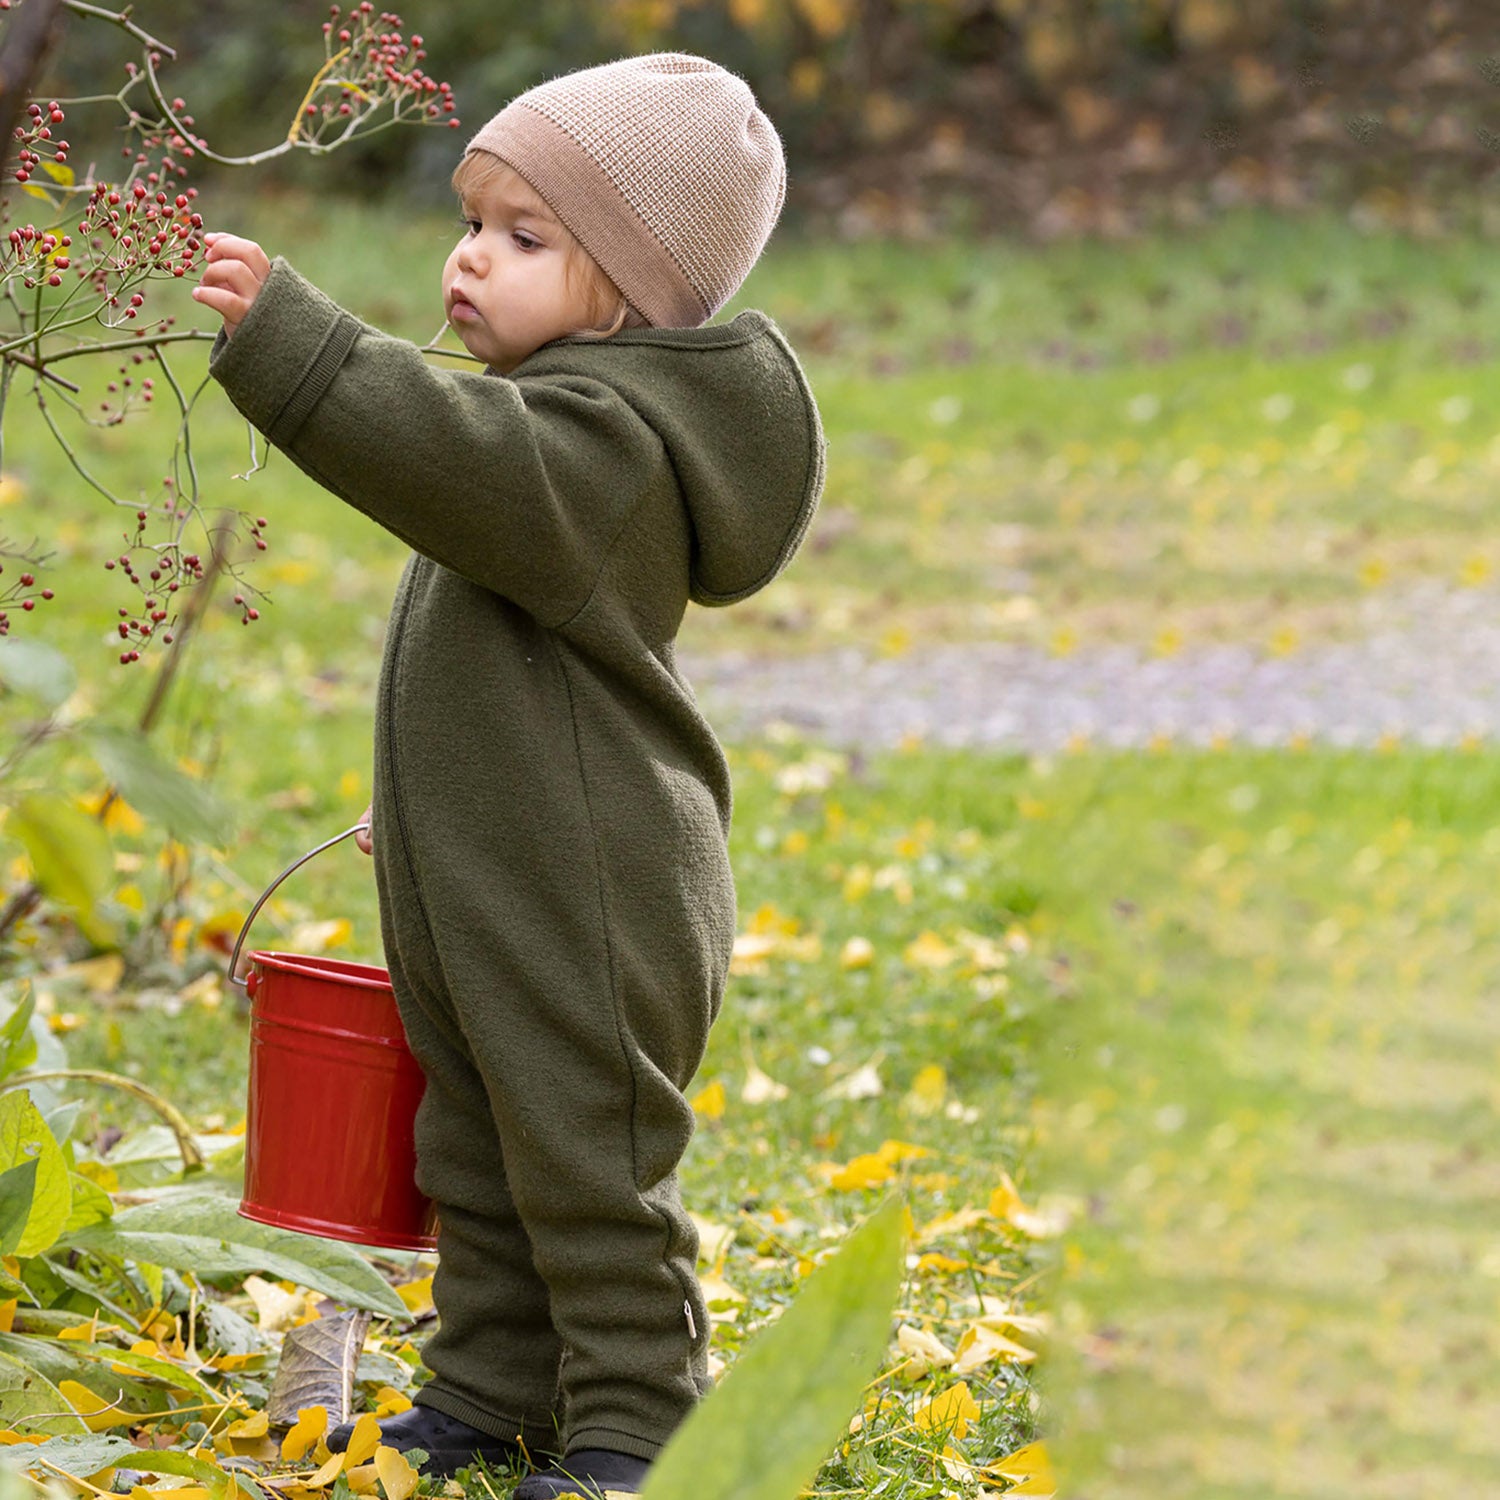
<point>1221,1013</point>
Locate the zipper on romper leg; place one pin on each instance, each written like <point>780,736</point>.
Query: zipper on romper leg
<point>687,1308</point>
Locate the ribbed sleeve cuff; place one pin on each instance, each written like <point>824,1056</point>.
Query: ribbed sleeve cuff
<point>284,354</point>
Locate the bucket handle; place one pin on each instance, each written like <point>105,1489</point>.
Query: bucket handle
<point>265,896</point>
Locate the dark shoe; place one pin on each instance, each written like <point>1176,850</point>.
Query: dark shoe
<point>450,1445</point>
<point>588,1472</point>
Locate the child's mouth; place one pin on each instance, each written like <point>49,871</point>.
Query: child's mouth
<point>462,308</point>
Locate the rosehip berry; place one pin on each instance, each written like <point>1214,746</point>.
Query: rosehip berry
<point>27,579</point>
<point>28,604</point>
<point>47,594</point>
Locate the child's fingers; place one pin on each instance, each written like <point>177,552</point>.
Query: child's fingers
<point>221,246</point>
<point>229,305</point>
<point>233,274</point>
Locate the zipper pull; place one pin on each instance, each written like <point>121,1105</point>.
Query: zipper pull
<point>687,1309</point>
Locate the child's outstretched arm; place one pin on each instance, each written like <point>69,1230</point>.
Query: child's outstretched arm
<point>520,485</point>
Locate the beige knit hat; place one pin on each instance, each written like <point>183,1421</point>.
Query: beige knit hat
<point>663,167</point>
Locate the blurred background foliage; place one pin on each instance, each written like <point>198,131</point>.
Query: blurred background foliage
<point>920,117</point>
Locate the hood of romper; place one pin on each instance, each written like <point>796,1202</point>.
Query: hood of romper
<point>733,407</point>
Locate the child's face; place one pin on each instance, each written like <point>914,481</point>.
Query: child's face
<point>505,290</point>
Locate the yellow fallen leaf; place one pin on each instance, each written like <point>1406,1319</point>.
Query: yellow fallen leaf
<point>935,1263</point>
<point>865,1171</point>
<point>950,1411</point>
<point>96,1412</point>
<point>761,1088</point>
<point>1028,1470</point>
<point>276,1308</point>
<point>717,1291</point>
<point>397,1477</point>
<point>389,1401</point>
<point>119,816</point>
<point>710,1102</point>
<point>8,1438</point>
<point>102,975</point>
<point>187,1492</point>
<point>231,1361</point>
<point>317,937</point>
<point>362,1480</point>
<point>312,1422</point>
<point>981,1344</point>
<point>957,1222</point>
<point>7,1315</point>
<point>714,1240</point>
<point>364,1440</point>
<point>328,1473</point>
<point>417,1295</point>
<point>928,951</point>
<point>892,1152</point>
<point>253,1426</point>
<point>924,1351</point>
<point>928,1090</point>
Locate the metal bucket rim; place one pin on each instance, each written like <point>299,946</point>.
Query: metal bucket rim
<point>333,971</point>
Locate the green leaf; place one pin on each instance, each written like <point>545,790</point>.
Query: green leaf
<point>17,1040</point>
<point>148,1365</point>
<point>70,855</point>
<point>203,1233</point>
<point>84,1456</point>
<point>59,1361</point>
<point>17,1190</point>
<point>798,1381</point>
<point>156,788</point>
<point>30,1402</point>
<point>38,670</point>
<point>24,1137</point>
<point>90,1203</point>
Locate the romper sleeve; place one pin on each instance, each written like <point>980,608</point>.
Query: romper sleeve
<point>519,485</point>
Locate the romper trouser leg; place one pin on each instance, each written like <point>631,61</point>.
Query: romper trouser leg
<point>580,1076</point>
<point>495,1366</point>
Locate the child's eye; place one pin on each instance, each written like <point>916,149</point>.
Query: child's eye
<point>525,241</point>
<point>473,226</point>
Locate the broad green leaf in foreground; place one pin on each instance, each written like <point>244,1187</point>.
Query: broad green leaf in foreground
<point>30,1402</point>
<point>83,1456</point>
<point>59,1361</point>
<point>204,1233</point>
<point>24,1138</point>
<point>762,1433</point>
<point>70,855</point>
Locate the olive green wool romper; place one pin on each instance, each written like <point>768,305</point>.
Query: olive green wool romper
<point>552,809</point>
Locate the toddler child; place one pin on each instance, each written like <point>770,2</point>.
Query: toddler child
<point>551,809</point>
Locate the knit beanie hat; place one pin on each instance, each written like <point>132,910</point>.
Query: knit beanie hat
<point>663,167</point>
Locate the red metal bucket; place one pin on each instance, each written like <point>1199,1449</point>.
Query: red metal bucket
<point>333,1098</point>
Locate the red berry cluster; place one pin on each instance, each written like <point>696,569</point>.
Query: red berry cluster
<point>23,592</point>
<point>167,569</point>
<point>159,572</point>
<point>388,71</point>
<point>38,132</point>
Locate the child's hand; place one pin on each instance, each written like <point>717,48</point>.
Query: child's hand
<point>236,270</point>
<point>363,839</point>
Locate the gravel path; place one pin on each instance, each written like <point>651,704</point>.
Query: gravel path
<point>1426,666</point>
